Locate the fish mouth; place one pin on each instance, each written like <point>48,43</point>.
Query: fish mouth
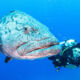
<point>43,47</point>
<point>38,48</point>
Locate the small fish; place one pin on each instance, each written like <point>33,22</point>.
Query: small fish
<point>23,37</point>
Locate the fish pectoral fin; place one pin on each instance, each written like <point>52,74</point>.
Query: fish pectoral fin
<point>7,59</point>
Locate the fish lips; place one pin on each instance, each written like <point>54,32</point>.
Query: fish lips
<point>38,49</point>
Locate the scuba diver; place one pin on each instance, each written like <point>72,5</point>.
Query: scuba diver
<point>69,56</point>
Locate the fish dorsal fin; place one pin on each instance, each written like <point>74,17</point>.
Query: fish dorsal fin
<point>7,59</point>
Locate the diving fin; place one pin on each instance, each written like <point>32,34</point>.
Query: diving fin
<point>7,59</point>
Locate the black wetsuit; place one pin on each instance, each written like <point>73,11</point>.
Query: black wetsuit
<point>67,57</point>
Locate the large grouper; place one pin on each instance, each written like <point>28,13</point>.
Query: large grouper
<point>23,37</point>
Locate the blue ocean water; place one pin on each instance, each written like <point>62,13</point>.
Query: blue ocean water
<point>63,19</point>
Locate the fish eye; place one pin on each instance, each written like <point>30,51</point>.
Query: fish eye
<point>25,29</point>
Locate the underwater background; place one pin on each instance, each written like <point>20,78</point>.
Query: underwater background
<point>63,19</point>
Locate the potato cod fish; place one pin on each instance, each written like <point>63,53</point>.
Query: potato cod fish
<point>23,37</point>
